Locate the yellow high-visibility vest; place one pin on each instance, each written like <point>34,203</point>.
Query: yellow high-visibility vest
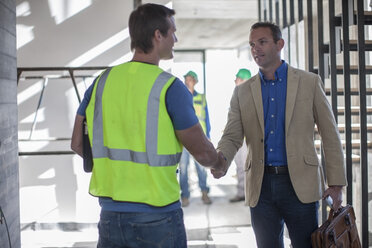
<point>134,145</point>
<point>199,105</point>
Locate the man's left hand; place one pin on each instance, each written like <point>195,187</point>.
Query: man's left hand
<point>335,192</point>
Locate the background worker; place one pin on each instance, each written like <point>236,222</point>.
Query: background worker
<point>138,118</point>
<point>241,156</point>
<point>201,111</point>
<point>276,112</point>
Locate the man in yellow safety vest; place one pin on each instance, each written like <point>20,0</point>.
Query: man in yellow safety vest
<point>139,117</point>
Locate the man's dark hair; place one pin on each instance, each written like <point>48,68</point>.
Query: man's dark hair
<point>275,30</point>
<point>144,21</point>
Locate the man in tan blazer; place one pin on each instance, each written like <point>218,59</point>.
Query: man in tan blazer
<point>276,112</point>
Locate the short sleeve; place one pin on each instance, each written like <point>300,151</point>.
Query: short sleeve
<point>180,106</point>
<point>84,103</point>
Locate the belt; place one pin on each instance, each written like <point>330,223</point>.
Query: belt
<point>277,170</point>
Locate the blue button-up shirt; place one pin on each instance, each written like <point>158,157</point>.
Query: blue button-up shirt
<point>274,94</point>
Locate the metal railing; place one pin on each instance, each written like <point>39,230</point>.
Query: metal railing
<point>70,74</point>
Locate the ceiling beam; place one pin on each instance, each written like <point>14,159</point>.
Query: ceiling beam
<point>216,9</point>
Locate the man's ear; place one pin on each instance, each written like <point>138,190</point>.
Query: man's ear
<point>281,43</point>
<point>157,35</point>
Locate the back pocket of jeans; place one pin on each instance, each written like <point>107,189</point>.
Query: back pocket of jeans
<point>157,233</point>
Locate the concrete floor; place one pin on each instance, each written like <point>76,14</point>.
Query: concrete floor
<point>219,225</point>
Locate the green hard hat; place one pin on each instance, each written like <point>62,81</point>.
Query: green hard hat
<point>192,74</point>
<point>244,74</point>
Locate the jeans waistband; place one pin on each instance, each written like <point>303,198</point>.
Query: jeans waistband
<point>277,170</point>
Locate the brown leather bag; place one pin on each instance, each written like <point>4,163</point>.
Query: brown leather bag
<point>339,230</point>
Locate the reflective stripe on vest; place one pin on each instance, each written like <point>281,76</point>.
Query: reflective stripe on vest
<point>149,157</point>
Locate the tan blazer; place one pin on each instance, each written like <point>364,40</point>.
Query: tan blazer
<point>306,105</point>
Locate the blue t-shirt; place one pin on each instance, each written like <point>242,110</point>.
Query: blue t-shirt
<point>180,108</point>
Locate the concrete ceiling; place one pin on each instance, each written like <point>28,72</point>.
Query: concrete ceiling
<point>216,24</point>
<point>61,33</point>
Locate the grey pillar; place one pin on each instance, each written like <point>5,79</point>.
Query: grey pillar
<point>9,181</point>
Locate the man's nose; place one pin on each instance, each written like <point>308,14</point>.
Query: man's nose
<point>254,48</point>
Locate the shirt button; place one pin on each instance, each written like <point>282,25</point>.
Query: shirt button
<point>272,99</point>
<point>270,165</point>
<point>280,79</point>
<point>272,83</point>
<point>271,132</point>
<point>272,116</point>
<point>271,150</point>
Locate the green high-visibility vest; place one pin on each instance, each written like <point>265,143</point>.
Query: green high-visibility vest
<point>134,145</point>
<point>199,105</point>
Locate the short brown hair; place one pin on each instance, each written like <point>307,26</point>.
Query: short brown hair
<point>144,21</point>
<point>275,30</point>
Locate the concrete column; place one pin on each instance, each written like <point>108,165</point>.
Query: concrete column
<point>9,181</point>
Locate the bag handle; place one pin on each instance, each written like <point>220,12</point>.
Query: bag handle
<point>333,213</point>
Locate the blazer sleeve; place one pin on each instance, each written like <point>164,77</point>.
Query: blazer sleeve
<point>233,134</point>
<point>328,130</point>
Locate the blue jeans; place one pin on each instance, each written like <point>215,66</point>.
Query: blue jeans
<point>278,204</point>
<point>142,230</point>
<point>184,177</point>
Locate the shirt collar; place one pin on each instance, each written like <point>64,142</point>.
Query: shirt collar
<point>279,73</point>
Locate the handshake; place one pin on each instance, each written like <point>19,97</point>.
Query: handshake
<point>219,169</point>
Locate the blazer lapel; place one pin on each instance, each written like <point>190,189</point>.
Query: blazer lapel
<point>292,85</point>
<point>257,97</point>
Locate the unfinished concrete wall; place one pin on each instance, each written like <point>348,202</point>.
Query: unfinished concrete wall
<point>54,188</point>
<point>9,183</point>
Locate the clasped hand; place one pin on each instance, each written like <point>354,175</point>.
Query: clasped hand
<point>220,168</point>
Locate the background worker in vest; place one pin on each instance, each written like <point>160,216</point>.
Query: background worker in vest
<point>201,111</point>
<point>138,118</point>
<point>241,156</point>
